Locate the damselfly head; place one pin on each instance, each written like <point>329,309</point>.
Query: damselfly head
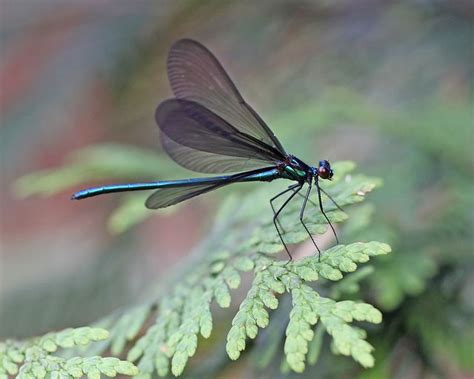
<point>324,170</point>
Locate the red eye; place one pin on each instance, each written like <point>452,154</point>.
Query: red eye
<point>323,172</point>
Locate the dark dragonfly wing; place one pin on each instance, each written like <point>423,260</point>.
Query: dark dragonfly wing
<point>197,76</point>
<point>189,124</point>
<point>202,161</point>
<point>167,196</point>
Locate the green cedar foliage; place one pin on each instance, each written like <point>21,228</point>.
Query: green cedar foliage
<point>308,306</point>
<point>34,358</point>
<point>162,333</point>
<point>97,162</point>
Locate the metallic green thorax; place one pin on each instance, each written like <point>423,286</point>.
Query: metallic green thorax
<point>293,173</point>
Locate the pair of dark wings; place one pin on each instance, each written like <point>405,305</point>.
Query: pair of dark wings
<point>209,127</point>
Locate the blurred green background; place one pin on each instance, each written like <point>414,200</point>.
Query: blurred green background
<point>388,85</point>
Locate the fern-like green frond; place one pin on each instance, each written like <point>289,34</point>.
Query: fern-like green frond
<point>400,275</point>
<point>91,163</point>
<point>97,163</point>
<point>308,306</point>
<point>183,316</point>
<point>34,358</point>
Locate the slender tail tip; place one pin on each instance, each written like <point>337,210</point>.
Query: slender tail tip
<point>75,196</point>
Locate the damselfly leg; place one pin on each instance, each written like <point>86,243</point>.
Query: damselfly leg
<point>290,188</point>
<point>275,216</point>
<point>322,210</point>
<point>302,221</point>
<point>330,198</point>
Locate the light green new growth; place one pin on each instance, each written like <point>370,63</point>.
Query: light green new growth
<point>33,358</point>
<point>308,306</point>
<point>183,316</point>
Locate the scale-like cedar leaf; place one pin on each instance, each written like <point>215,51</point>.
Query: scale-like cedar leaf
<point>34,359</point>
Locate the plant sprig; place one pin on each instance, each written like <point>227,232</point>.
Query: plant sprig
<point>34,358</point>
<point>242,240</point>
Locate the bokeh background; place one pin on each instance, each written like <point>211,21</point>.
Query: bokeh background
<point>386,84</point>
